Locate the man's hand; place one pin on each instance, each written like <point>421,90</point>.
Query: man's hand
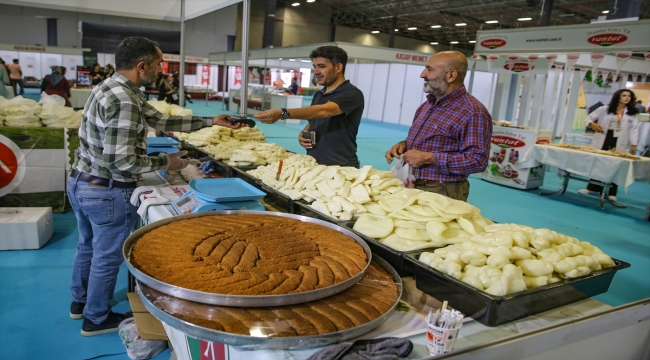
<point>633,150</point>
<point>395,151</point>
<point>417,158</point>
<point>268,116</point>
<point>174,162</point>
<point>304,142</point>
<point>221,121</point>
<point>596,127</point>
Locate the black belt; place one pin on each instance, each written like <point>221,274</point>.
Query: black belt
<point>427,182</point>
<point>100,181</point>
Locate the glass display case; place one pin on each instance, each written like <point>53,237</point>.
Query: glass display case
<point>259,96</point>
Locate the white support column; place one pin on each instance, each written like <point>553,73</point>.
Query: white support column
<point>500,102</point>
<point>181,72</point>
<point>538,97</point>
<point>572,102</point>
<point>524,100</point>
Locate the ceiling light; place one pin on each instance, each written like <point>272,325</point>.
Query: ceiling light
<point>412,28</point>
<point>434,43</point>
<point>472,41</point>
<point>435,26</point>
<point>396,30</point>
<point>307,61</point>
<point>453,42</point>
<point>375,32</point>
<point>461,24</point>
<point>292,59</point>
<point>566,15</point>
<point>311,0</point>
<point>279,58</point>
<point>492,21</point>
<point>605,11</point>
<point>295,4</point>
<point>524,19</point>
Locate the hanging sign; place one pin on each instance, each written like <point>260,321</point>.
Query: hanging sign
<point>491,59</point>
<point>596,59</point>
<point>550,61</point>
<point>597,37</point>
<point>205,74</point>
<point>571,60</point>
<point>621,58</point>
<point>583,73</point>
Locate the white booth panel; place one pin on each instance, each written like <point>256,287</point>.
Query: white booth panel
<point>393,103</point>
<point>71,62</point>
<point>375,102</point>
<point>49,60</point>
<point>364,83</point>
<point>8,56</point>
<point>30,62</point>
<point>351,72</point>
<point>413,87</point>
<point>482,87</point>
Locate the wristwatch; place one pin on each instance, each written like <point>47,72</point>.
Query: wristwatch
<point>284,115</point>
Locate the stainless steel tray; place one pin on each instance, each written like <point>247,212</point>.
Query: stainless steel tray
<point>160,305</point>
<point>241,300</point>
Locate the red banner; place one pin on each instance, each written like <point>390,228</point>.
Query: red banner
<point>165,67</point>
<point>205,74</point>
<point>238,75</point>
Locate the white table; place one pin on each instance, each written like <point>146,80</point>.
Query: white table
<point>604,169</point>
<point>78,97</point>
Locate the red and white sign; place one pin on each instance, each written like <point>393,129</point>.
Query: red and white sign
<point>507,141</point>
<point>188,59</point>
<point>411,57</point>
<point>212,351</point>
<point>12,165</point>
<point>205,74</point>
<point>571,60</point>
<point>493,43</point>
<point>520,64</point>
<point>238,75</point>
<point>607,39</point>
<point>550,61</point>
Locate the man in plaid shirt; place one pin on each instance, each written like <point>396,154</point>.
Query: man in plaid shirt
<point>112,154</point>
<point>451,131</point>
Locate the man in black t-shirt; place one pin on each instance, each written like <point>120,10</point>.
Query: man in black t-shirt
<point>335,112</point>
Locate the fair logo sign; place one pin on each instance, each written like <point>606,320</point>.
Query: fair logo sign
<point>608,36</point>
<point>493,41</point>
<point>12,165</point>
<point>507,142</point>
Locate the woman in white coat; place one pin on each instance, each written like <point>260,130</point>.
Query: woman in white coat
<point>617,127</point>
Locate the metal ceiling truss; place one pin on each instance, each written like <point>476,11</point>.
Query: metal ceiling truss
<point>375,15</point>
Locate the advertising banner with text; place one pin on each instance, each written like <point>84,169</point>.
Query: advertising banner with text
<point>599,37</point>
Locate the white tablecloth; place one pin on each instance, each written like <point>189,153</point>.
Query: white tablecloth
<point>605,168</point>
<point>78,97</point>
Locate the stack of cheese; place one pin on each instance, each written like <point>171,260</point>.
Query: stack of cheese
<point>511,258</point>
<point>412,219</point>
<point>170,109</point>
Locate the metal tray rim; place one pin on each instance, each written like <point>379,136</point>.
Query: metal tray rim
<point>241,300</point>
<point>619,265</point>
<point>276,343</point>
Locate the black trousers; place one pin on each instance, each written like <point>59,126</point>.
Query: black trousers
<point>610,143</point>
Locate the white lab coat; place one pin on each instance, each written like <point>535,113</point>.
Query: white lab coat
<point>629,128</point>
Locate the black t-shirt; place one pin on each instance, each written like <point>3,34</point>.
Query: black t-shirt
<point>336,137</point>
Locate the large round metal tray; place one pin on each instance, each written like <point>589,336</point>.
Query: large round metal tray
<point>160,305</point>
<point>241,300</point>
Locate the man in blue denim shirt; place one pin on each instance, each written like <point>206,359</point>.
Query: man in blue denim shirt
<point>112,153</point>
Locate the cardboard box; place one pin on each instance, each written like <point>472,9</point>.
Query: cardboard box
<point>148,326</point>
<point>25,227</point>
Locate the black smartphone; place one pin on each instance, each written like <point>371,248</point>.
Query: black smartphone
<point>311,135</point>
<point>241,119</point>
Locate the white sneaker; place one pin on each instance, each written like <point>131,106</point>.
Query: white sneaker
<point>588,192</point>
<point>612,198</point>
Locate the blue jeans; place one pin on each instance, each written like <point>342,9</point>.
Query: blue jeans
<point>105,218</point>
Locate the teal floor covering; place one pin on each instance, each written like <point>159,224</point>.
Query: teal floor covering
<point>34,295</point>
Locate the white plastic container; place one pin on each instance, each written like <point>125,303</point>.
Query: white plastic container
<point>25,228</point>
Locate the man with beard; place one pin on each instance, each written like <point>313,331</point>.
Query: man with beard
<point>112,154</point>
<point>451,131</point>
<point>335,112</point>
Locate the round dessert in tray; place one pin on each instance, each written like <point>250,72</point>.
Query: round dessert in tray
<point>339,317</point>
<point>246,258</point>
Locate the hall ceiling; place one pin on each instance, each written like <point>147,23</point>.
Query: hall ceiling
<point>377,15</point>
